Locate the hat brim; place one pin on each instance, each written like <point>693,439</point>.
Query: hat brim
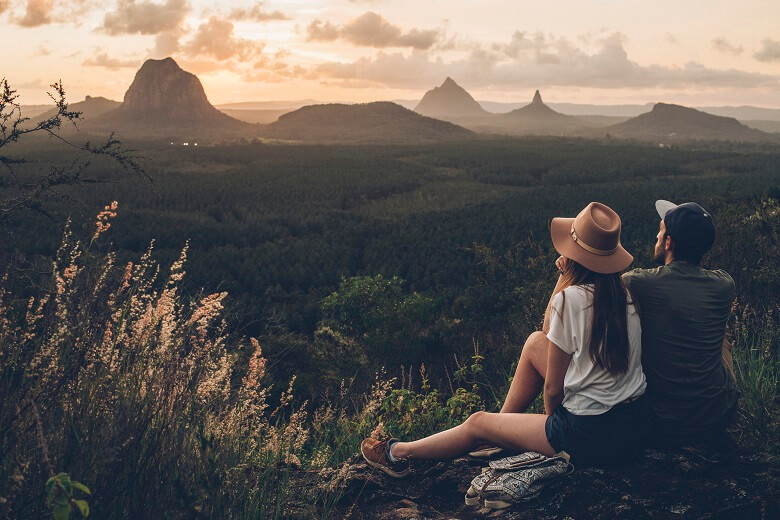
<point>663,207</point>
<point>560,231</point>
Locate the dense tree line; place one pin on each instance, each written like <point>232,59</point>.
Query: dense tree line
<point>283,229</point>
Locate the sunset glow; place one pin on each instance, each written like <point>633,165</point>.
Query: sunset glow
<point>700,52</point>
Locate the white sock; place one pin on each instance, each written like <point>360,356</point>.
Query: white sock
<point>390,451</point>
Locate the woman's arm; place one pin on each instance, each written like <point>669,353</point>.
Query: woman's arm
<point>560,263</point>
<point>557,364</point>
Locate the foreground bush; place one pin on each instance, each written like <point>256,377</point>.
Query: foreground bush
<point>114,377</point>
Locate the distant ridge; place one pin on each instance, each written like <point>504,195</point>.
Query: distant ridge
<point>449,101</point>
<point>536,118</point>
<point>377,122</point>
<point>90,108</point>
<point>165,100</point>
<point>667,121</point>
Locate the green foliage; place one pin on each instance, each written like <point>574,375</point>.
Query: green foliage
<point>377,314</point>
<point>59,496</point>
<point>757,370</point>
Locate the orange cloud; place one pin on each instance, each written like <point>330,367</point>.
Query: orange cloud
<point>256,13</point>
<point>372,30</point>
<point>769,51</point>
<point>132,17</point>
<point>102,59</point>
<point>215,38</point>
<point>38,12</point>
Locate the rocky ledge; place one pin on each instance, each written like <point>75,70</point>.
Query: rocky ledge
<point>686,483</point>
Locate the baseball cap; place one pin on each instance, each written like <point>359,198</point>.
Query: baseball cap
<point>688,224</point>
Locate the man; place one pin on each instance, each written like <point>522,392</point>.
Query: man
<point>684,309</point>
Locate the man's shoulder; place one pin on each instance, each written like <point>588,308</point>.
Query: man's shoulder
<point>639,275</point>
<point>720,274</point>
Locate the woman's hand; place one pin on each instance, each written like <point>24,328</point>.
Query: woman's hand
<point>561,263</point>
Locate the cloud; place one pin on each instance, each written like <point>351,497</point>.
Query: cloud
<point>43,12</point>
<point>41,50</point>
<point>215,38</point>
<point>256,13</point>
<point>769,51</point>
<point>102,59</point>
<point>533,60</point>
<point>372,30</point>
<point>142,17</point>
<point>723,45</point>
<point>37,12</point>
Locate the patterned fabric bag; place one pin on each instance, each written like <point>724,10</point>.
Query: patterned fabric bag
<point>516,479</point>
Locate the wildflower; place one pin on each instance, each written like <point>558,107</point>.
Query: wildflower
<point>379,432</point>
<point>102,222</point>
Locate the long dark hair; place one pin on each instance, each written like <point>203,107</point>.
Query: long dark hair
<point>608,347</point>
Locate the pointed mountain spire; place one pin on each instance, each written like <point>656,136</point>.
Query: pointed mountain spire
<point>449,82</point>
<point>537,99</point>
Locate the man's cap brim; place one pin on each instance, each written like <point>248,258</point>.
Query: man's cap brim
<point>663,207</point>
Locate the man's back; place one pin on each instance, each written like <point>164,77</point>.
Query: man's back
<point>684,309</point>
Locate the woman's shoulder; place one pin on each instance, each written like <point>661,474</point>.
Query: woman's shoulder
<point>576,296</point>
<point>582,292</point>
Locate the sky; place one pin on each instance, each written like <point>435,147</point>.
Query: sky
<point>693,52</point>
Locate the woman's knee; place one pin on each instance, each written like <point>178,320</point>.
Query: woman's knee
<point>475,423</point>
<point>536,338</point>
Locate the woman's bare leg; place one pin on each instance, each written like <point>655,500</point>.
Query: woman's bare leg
<point>529,376</point>
<point>512,431</point>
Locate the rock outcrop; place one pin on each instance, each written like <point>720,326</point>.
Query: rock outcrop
<point>162,90</point>
<point>165,100</point>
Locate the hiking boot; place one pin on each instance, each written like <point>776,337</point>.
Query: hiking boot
<point>376,454</point>
<point>485,451</point>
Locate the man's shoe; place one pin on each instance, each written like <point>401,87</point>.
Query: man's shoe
<point>376,454</point>
<point>485,451</point>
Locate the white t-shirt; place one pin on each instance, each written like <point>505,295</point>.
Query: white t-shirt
<point>588,389</point>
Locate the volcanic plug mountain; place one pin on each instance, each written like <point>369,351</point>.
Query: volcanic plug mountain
<point>538,118</point>
<point>166,100</point>
<point>449,101</point>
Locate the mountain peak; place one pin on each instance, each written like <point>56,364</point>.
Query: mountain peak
<point>448,101</point>
<point>162,88</point>
<point>449,82</point>
<point>537,99</point>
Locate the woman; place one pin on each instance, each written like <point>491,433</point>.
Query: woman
<point>588,363</point>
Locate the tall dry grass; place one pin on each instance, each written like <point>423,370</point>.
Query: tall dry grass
<point>113,376</point>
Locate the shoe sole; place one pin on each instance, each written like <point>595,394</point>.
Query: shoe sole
<point>485,453</point>
<point>388,471</point>
<point>497,504</point>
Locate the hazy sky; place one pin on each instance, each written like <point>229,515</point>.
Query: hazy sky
<point>695,52</point>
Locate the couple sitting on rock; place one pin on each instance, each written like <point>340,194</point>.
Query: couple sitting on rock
<point>622,360</point>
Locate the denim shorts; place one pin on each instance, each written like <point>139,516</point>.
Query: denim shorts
<point>609,437</point>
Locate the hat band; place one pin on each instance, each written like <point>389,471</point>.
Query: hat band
<point>586,247</point>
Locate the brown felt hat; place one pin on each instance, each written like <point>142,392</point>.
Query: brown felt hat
<point>592,239</point>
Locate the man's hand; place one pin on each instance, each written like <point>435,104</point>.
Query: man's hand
<point>561,263</point>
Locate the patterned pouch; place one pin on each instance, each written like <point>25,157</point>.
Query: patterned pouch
<point>516,479</point>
